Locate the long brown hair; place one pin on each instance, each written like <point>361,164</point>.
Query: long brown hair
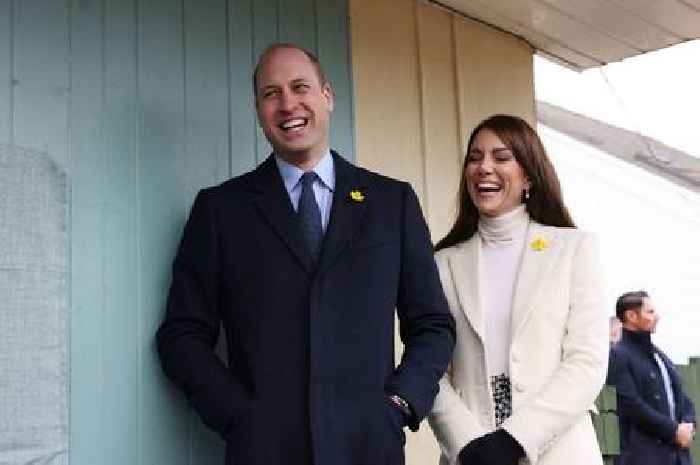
<point>545,204</point>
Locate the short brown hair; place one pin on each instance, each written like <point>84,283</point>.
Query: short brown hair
<point>629,301</point>
<point>282,45</point>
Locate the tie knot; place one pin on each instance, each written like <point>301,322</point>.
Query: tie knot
<point>308,178</point>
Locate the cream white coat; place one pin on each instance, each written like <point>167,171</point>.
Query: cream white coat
<point>558,357</point>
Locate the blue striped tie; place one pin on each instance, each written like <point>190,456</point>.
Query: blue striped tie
<point>310,215</point>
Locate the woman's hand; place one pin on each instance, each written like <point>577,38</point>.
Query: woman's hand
<point>495,448</point>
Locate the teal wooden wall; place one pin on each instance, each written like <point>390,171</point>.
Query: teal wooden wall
<point>143,102</point>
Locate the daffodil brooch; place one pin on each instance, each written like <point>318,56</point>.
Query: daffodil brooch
<point>539,243</point>
<point>357,196</point>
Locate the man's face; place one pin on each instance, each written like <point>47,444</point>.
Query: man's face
<point>645,318</point>
<point>293,106</point>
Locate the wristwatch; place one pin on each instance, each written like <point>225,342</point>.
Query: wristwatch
<point>401,404</point>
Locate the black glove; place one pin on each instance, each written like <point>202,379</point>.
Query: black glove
<point>495,448</point>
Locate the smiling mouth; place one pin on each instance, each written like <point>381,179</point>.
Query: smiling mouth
<point>487,187</point>
<point>294,125</point>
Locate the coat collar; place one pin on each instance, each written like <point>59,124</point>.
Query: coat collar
<point>275,206</point>
<point>542,246</point>
<point>346,214</point>
<point>465,269</point>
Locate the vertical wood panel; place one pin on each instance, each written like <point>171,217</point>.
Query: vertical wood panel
<point>385,70</point>
<point>121,286</point>
<point>206,145</point>
<point>440,118</point>
<point>334,53</point>
<point>265,32</point>
<point>162,210</point>
<point>297,22</point>
<point>87,165</point>
<point>494,74</point>
<point>41,69</point>
<point>243,123</point>
<point>6,40</point>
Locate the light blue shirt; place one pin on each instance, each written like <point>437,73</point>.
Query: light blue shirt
<point>323,186</point>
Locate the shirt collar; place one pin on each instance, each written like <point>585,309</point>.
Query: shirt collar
<point>291,174</point>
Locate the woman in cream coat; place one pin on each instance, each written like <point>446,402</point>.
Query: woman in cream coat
<point>524,287</point>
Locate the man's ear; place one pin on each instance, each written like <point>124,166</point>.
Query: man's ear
<point>327,92</point>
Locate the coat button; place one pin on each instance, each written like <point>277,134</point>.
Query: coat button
<point>519,387</point>
<point>657,396</point>
<point>652,375</point>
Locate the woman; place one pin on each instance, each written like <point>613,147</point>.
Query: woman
<point>524,288</point>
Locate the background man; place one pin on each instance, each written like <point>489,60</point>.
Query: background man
<point>304,261</point>
<point>656,417</point>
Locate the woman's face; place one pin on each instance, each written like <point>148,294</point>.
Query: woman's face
<point>495,180</point>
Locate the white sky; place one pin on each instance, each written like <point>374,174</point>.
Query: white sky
<point>649,228</point>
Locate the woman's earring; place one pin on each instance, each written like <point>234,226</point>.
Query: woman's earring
<point>527,194</point>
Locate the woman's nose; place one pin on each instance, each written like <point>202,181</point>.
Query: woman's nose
<point>485,165</point>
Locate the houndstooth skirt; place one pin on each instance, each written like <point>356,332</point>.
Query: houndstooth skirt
<point>500,386</point>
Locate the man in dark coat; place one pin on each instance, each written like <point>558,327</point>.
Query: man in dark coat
<point>305,260</point>
<point>657,419</point>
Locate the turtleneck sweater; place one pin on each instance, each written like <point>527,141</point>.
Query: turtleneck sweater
<point>502,241</point>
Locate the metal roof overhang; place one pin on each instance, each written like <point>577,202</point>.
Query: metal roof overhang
<point>582,34</point>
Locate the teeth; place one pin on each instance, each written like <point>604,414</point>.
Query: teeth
<point>293,123</point>
<point>488,185</point>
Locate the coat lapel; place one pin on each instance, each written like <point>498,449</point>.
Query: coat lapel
<point>466,275</point>
<point>541,249</point>
<point>274,205</point>
<point>346,214</point>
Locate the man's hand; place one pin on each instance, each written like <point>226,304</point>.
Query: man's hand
<point>684,434</point>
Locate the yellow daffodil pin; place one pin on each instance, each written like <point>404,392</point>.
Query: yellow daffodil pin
<point>356,195</point>
<point>539,243</point>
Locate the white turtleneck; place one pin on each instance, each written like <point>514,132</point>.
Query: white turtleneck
<point>502,240</point>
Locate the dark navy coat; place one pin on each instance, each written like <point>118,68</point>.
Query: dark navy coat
<point>310,350</point>
<point>647,431</point>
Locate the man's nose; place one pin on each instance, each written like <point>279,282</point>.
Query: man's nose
<point>288,101</point>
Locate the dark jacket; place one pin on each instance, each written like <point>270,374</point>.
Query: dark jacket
<point>310,350</point>
<point>647,431</point>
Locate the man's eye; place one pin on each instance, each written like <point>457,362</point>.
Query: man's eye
<point>269,93</point>
<point>302,87</point>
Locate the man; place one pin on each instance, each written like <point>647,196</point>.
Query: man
<point>657,419</point>
<point>304,260</point>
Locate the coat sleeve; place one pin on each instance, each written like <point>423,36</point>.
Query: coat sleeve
<point>632,407</point>
<point>426,326</point>
<point>572,388</point>
<point>188,334</point>
<point>452,422</point>
<point>688,412</point>
<point>687,407</point>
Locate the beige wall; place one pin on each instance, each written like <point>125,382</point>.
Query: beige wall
<point>423,77</point>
